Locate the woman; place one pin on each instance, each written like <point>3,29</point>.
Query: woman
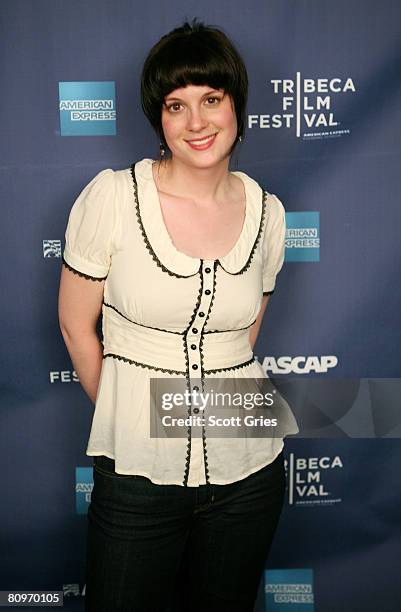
<point>181,257</point>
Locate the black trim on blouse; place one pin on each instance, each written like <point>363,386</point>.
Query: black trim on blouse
<point>145,237</point>
<point>202,368</point>
<point>262,218</point>
<point>170,331</point>
<point>187,376</point>
<point>87,276</point>
<point>143,365</point>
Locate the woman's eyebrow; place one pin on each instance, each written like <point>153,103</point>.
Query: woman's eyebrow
<point>168,98</point>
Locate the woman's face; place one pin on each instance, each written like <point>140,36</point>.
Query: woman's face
<point>194,113</point>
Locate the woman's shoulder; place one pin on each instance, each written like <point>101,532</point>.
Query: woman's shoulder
<point>258,189</point>
<point>109,175</point>
<point>141,167</point>
<point>254,183</point>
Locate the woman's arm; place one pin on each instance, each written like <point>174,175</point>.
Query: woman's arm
<point>79,307</point>
<point>254,330</point>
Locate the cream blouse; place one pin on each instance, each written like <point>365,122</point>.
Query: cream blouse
<point>166,314</point>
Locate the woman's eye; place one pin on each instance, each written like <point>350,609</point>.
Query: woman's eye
<point>171,107</point>
<point>175,106</point>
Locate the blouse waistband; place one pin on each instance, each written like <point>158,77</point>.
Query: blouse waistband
<point>172,350</point>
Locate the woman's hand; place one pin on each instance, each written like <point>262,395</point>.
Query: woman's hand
<point>79,307</point>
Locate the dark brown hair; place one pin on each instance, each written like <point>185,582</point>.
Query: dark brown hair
<point>193,54</point>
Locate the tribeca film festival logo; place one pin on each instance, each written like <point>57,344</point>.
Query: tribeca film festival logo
<point>302,236</point>
<point>311,480</point>
<point>306,107</point>
<point>63,376</point>
<point>87,108</point>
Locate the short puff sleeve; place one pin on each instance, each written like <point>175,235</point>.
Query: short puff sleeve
<point>90,229</point>
<point>273,242</point>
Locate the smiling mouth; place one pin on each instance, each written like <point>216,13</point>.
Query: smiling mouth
<point>202,141</point>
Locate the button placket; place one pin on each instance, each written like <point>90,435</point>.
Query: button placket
<point>195,366</point>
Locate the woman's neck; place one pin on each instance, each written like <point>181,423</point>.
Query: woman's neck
<point>203,185</point>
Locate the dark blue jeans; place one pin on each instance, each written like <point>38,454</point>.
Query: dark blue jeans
<point>160,548</point>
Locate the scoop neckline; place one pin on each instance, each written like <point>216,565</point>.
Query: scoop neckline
<point>167,236</point>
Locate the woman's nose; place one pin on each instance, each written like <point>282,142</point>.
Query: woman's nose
<point>196,119</point>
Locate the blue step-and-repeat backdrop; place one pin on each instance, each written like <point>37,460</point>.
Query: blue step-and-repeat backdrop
<point>323,133</point>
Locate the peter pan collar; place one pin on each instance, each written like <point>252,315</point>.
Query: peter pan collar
<point>157,238</point>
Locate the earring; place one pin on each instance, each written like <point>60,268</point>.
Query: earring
<point>240,139</point>
<point>162,149</point>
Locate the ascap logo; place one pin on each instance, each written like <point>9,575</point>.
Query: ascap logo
<point>51,248</point>
<point>306,107</point>
<point>64,376</point>
<point>311,480</point>
<point>299,365</point>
